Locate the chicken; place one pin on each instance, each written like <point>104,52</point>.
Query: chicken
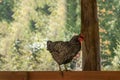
<point>63,52</point>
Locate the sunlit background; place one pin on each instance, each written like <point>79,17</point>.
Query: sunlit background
<point>26,25</point>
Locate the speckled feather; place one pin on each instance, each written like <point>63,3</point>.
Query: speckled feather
<point>63,52</point>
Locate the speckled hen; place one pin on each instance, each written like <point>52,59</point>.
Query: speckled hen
<point>63,52</point>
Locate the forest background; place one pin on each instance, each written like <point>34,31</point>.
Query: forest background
<point>26,25</point>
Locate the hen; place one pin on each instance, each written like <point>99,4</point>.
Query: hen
<point>63,52</point>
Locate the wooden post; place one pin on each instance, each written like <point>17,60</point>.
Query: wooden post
<point>90,31</point>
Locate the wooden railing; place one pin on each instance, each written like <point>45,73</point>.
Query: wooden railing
<point>70,75</point>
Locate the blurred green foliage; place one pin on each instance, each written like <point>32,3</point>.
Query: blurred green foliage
<point>6,12</point>
<point>109,21</point>
<point>26,25</point>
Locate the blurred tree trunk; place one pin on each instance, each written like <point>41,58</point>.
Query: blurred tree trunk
<point>90,31</point>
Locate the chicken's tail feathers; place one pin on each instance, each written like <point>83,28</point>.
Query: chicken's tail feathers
<point>49,42</point>
<point>49,45</point>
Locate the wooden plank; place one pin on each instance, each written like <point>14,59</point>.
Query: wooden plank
<point>70,75</point>
<point>13,75</point>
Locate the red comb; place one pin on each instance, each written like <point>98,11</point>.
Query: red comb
<point>81,38</point>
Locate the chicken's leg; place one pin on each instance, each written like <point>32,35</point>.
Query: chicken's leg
<point>65,67</point>
<point>61,72</point>
<point>59,68</point>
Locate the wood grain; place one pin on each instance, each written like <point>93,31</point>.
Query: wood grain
<point>70,75</point>
<point>90,32</point>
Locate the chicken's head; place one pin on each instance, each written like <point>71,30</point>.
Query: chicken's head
<point>81,38</point>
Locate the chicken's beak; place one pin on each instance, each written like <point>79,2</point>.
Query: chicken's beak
<point>80,40</point>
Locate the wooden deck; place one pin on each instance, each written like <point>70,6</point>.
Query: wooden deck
<point>71,75</point>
